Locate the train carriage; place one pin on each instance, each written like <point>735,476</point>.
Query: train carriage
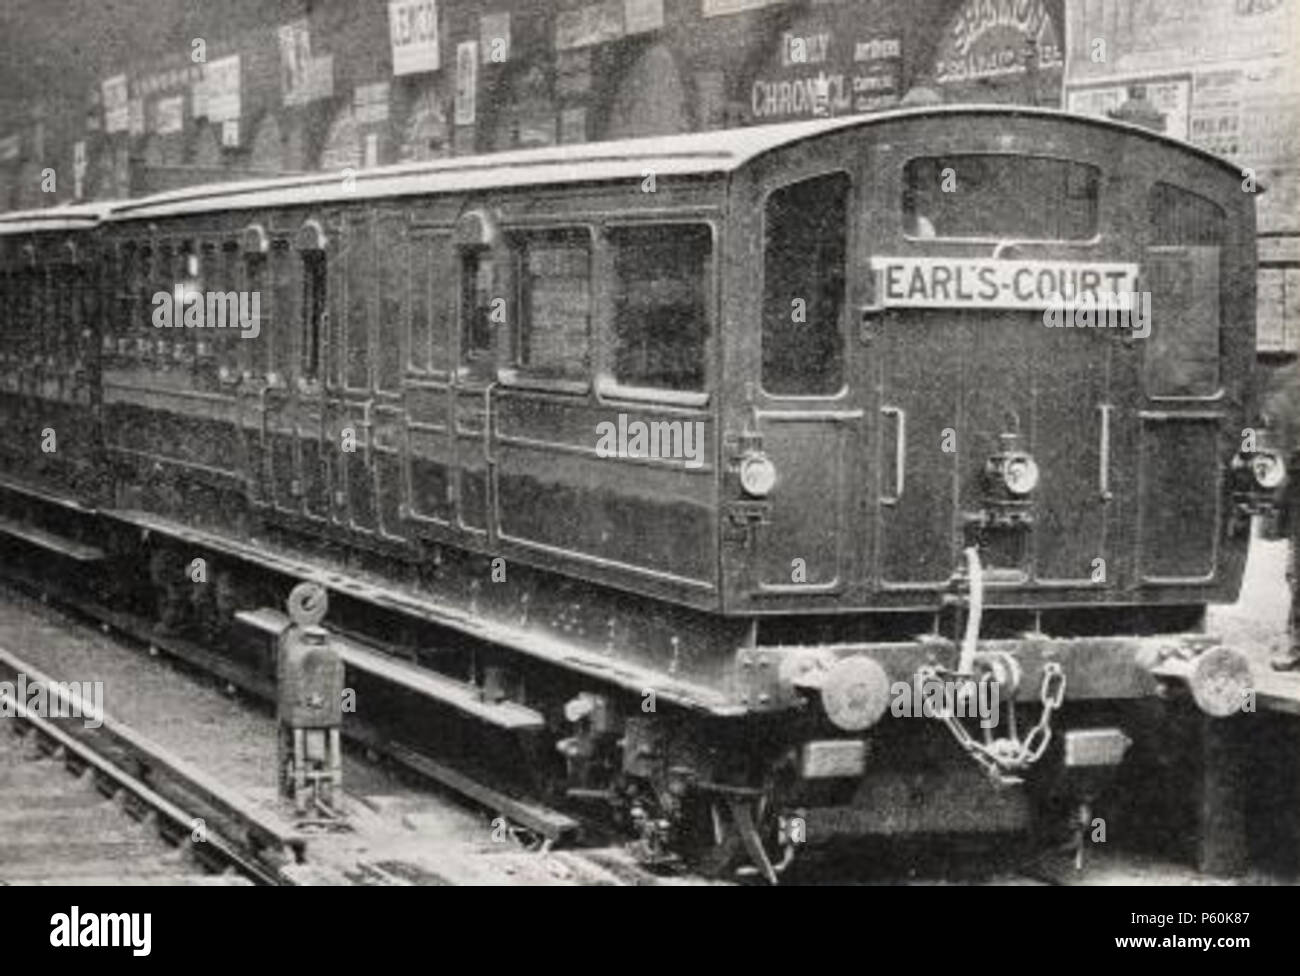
<point>49,368</point>
<point>708,446</point>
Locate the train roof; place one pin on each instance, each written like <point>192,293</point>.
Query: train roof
<point>716,152</point>
<point>67,217</point>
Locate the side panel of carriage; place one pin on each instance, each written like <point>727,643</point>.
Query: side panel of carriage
<point>611,312</point>
<point>49,360</point>
<point>437,370</point>
<point>171,413</point>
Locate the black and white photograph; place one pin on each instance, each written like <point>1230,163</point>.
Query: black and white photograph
<point>706,443</point>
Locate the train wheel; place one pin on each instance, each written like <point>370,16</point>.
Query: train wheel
<point>167,579</point>
<point>739,838</point>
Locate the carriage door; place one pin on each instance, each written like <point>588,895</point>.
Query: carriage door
<point>351,409</point>
<point>809,416</point>
<point>481,306</point>
<point>389,416</point>
<point>996,430</point>
<point>287,408</point>
<point>1179,516</point>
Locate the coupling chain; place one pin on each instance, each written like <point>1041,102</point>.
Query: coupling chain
<point>1002,758</point>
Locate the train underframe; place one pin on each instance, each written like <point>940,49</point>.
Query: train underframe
<point>682,730</point>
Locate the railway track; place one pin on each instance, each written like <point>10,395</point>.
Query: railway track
<point>399,832</point>
<point>531,814</point>
<point>60,782</point>
<point>604,865</point>
<point>69,815</point>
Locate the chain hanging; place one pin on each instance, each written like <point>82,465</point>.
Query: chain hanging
<point>1003,758</point>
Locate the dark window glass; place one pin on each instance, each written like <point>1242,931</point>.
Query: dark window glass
<point>1183,270</point>
<point>1000,196</point>
<point>1180,217</point>
<point>661,305</point>
<point>806,227</point>
<point>315,294</point>
<point>554,304</point>
<point>478,293</point>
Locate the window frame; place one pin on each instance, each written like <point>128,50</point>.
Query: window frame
<point>607,386</point>
<point>512,372</point>
<point>438,247</point>
<point>479,360</point>
<point>850,239</point>
<point>1153,243</point>
<point>902,186</point>
<point>312,240</point>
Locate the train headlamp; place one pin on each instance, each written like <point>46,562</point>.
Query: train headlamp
<point>757,474</point>
<point>1020,474</point>
<point>1268,469</point>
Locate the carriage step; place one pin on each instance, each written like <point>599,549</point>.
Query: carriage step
<point>48,540</point>
<point>455,694</point>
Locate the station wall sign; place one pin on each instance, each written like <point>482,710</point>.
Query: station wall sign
<point>466,82</point>
<point>169,115</point>
<point>413,33</point>
<point>493,36</point>
<point>304,78</point>
<point>828,68</point>
<point>221,86</point>
<point>1170,96</point>
<point>117,109</point>
<point>991,38</point>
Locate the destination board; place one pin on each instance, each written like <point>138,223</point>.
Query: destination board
<point>908,282</point>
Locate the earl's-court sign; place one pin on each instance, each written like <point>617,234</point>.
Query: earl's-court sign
<point>910,282</point>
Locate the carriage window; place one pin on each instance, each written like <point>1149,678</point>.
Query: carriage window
<point>478,286</point>
<point>315,294</point>
<point>803,286</point>
<point>1183,270</point>
<point>661,311</point>
<point>429,259</point>
<point>1000,196</point>
<point>554,304</point>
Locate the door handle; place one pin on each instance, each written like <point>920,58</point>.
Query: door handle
<point>1103,453</point>
<point>868,318</point>
<point>900,454</point>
